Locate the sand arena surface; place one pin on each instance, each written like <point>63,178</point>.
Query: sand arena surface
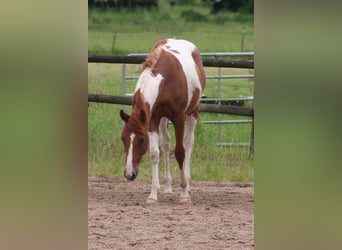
<point>221,216</point>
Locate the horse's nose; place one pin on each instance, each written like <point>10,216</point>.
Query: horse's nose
<point>131,176</point>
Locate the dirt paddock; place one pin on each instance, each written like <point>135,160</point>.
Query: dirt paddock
<point>220,216</point>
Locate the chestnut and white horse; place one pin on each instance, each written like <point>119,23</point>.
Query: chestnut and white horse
<point>169,88</point>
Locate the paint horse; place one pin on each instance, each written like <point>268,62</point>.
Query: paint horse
<point>169,88</point>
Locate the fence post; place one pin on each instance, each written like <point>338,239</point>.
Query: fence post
<point>243,38</point>
<point>219,116</point>
<point>251,146</point>
<point>113,42</point>
<point>123,82</point>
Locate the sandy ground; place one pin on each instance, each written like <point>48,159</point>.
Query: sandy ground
<point>219,217</point>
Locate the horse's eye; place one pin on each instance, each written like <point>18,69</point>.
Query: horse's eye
<point>141,141</point>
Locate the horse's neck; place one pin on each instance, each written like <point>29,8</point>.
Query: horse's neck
<point>148,86</point>
<point>139,106</point>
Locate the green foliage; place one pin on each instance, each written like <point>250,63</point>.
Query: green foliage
<point>193,16</point>
<point>187,2</point>
<point>248,7</point>
<point>157,19</point>
<point>242,6</point>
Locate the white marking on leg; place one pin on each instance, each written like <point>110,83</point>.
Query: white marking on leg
<point>188,143</point>
<point>129,162</point>
<point>154,156</point>
<point>165,143</point>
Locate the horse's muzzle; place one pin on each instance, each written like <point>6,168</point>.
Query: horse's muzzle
<point>131,176</point>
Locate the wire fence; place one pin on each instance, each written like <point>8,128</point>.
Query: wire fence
<point>124,43</point>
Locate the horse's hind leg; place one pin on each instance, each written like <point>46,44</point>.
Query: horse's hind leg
<point>165,143</point>
<point>188,143</point>
<point>180,156</point>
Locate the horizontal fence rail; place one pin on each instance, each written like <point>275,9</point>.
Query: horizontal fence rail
<point>230,77</point>
<point>227,122</point>
<point>138,59</point>
<point>210,54</point>
<point>210,108</point>
<point>251,53</point>
<point>208,77</point>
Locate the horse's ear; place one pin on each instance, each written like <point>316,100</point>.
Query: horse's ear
<point>142,116</point>
<point>124,116</point>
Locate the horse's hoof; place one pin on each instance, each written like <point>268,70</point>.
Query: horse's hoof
<point>185,200</point>
<point>168,192</point>
<point>151,201</point>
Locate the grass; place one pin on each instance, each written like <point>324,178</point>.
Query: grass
<point>136,32</point>
<point>123,32</point>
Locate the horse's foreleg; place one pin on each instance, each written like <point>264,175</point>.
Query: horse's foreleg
<point>165,143</point>
<point>154,156</point>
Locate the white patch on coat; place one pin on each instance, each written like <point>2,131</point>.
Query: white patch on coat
<point>129,162</point>
<point>149,86</point>
<point>184,56</point>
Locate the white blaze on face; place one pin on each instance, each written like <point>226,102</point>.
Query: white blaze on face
<point>129,162</point>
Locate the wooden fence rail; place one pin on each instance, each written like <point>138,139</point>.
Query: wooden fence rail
<point>246,64</point>
<point>210,108</point>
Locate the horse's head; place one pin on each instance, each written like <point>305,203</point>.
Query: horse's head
<point>135,139</point>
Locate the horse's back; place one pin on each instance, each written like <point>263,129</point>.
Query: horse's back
<point>178,67</point>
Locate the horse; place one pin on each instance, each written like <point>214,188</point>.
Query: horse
<point>169,88</point>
